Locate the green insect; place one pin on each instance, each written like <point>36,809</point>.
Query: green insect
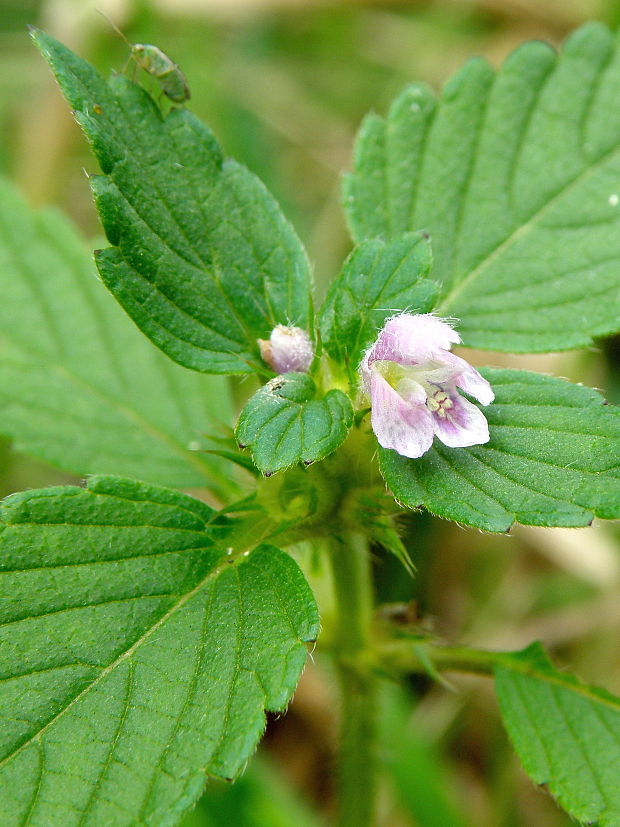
<point>150,58</point>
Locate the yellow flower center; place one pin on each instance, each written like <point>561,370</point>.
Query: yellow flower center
<point>440,403</point>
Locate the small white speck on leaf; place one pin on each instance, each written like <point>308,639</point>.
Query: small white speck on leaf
<point>614,200</point>
<point>194,445</point>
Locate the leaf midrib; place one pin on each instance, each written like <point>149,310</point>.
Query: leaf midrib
<point>201,265</point>
<point>530,671</point>
<point>129,413</point>
<point>84,288</point>
<point>448,301</point>
<point>79,607</point>
<point>96,787</point>
<point>478,457</point>
<point>224,564</point>
<point>207,268</point>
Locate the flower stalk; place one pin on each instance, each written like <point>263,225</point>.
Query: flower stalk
<point>352,637</point>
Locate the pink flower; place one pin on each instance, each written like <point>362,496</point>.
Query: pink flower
<point>288,349</point>
<point>412,379</point>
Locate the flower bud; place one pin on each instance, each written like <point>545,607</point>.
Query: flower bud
<point>288,349</point>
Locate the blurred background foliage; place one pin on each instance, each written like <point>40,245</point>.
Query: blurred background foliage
<point>284,85</point>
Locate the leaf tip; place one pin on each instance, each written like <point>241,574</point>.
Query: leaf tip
<point>35,35</point>
<point>41,39</point>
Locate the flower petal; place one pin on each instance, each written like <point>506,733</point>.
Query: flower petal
<point>435,372</point>
<point>412,339</point>
<point>398,424</point>
<point>470,380</point>
<point>464,425</point>
<point>411,391</point>
<point>365,370</point>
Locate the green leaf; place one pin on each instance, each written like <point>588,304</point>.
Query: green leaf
<point>262,797</point>
<point>420,776</point>
<point>202,258</point>
<point>135,656</point>
<point>80,387</point>
<point>567,734</point>
<point>284,423</point>
<point>377,280</point>
<point>552,459</point>
<point>515,176</point>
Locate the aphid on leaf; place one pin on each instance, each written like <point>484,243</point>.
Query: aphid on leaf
<point>151,58</point>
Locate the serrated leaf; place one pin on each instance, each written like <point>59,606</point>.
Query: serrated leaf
<point>515,177</point>
<point>377,280</point>
<point>202,258</point>
<point>80,387</point>
<point>552,459</point>
<point>135,656</point>
<point>567,734</point>
<point>284,423</point>
<point>261,797</point>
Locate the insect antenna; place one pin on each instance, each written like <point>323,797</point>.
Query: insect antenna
<point>114,26</point>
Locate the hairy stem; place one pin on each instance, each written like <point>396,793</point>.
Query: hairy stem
<point>415,656</point>
<point>352,581</point>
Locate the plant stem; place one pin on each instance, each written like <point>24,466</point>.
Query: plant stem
<point>352,582</point>
<point>414,656</point>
